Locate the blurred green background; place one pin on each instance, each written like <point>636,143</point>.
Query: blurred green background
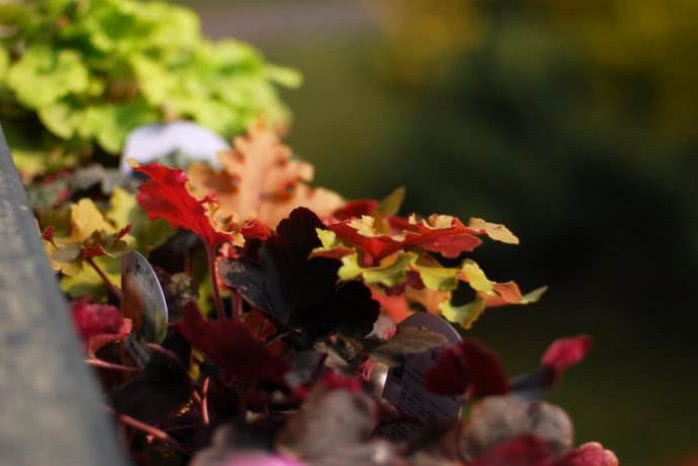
<point>574,123</point>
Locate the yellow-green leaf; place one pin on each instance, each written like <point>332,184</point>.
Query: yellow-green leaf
<point>465,315</point>
<point>391,273</point>
<point>476,277</point>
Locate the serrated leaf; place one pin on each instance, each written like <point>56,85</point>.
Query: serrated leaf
<point>392,272</point>
<point>465,315</point>
<point>148,234</point>
<point>476,277</point>
<point>494,231</point>
<point>89,235</point>
<point>260,180</point>
<point>42,76</point>
<point>165,196</point>
<point>110,124</point>
<point>438,278</point>
<point>278,277</point>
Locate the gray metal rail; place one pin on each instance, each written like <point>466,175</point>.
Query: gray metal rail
<point>51,411</point>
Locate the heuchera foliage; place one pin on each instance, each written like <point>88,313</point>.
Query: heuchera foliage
<point>284,302</point>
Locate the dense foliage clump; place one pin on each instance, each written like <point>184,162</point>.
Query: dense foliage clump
<point>273,321</point>
<point>76,76</point>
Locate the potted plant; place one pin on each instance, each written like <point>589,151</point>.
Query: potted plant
<point>234,313</point>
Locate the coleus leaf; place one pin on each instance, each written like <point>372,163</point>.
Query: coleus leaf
<point>278,277</point>
<point>488,294</point>
<point>260,180</point>
<point>467,367</point>
<point>230,346</point>
<point>562,354</point>
<point>98,324</point>
<point>95,319</point>
<point>566,352</point>
<point>88,234</point>
<point>165,196</point>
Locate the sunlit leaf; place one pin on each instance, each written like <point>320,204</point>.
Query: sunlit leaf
<point>260,180</point>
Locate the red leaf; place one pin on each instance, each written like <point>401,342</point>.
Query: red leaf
<point>520,451</point>
<point>589,454</point>
<point>97,341</point>
<point>165,196</point>
<point>229,345</point>
<point>95,319</point>
<point>467,366</point>
<point>356,209</point>
<point>566,352</point>
<point>47,234</point>
<point>253,228</point>
<point>376,247</point>
<point>449,242</point>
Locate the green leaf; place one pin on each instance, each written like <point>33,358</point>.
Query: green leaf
<point>43,76</point>
<point>287,77</point>
<point>438,278</point>
<point>391,274</point>
<point>476,277</point>
<point>149,234</point>
<point>110,124</point>
<point>61,119</point>
<point>392,203</point>
<point>4,62</point>
<point>87,282</point>
<point>465,315</point>
<point>534,296</point>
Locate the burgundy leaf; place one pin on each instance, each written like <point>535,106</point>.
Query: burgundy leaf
<point>229,345</point>
<point>467,366</point>
<point>278,277</point>
<point>95,319</point>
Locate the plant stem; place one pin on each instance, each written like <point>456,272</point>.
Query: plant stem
<point>112,288</point>
<point>108,365</point>
<point>237,303</point>
<point>218,303</point>
<point>204,402</point>
<point>148,429</point>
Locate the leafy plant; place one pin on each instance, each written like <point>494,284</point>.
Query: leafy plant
<point>288,309</point>
<point>76,76</point>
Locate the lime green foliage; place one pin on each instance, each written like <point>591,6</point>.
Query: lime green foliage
<point>90,71</point>
<point>148,234</point>
<point>391,274</point>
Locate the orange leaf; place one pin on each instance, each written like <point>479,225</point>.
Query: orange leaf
<point>260,180</point>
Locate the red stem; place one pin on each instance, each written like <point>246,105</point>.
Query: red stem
<point>148,429</point>
<point>108,365</point>
<point>237,303</point>
<point>204,401</point>
<point>113,289</point>
<point>218,303</point>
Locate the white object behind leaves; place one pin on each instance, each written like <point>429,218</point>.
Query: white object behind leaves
<point>150,142</point>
